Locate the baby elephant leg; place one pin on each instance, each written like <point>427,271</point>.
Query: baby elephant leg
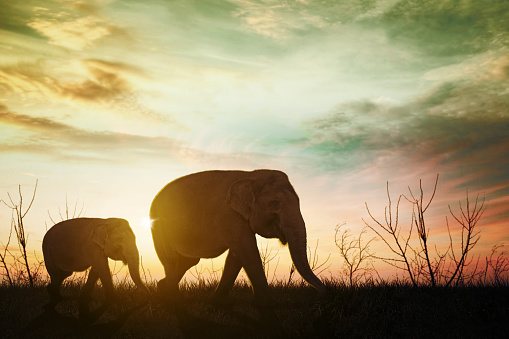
<point>53,288</point>
<point>85,293</point>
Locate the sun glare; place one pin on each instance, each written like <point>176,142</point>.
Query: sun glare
<point>146,223</point>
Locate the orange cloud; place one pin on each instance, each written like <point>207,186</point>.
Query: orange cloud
<point>109,84</point>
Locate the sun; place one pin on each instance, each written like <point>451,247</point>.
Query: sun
<point>146,223</point>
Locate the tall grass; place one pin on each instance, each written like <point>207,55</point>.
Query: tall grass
<point>376,308</point>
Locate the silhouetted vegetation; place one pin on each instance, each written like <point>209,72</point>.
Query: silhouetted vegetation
<point>358,260</point>
<point>382,309</point>
<point>449,293</point>
<point>68,212</point>
<point>452,266</point>
<point>17,223</point>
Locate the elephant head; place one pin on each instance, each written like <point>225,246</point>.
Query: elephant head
<point>271,206</point>
<point>116,238</point>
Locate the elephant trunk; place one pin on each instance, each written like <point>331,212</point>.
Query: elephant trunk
<point>296,237</point>
<point>133,263</point>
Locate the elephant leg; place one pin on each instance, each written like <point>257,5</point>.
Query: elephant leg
<point>167,286</point>
<point>175,268</point>
<point>165,255</point>
<point>87,290</point>
<point>185,263</point>
<point>231,270</point>
<point>57,277</point>
<point>103,270</point>
<point>247,253</point>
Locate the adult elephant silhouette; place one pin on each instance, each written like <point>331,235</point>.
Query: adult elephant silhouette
<point>77,244</point>
<point>202,215</point>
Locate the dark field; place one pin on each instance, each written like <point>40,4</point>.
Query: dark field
<point>385,310</point>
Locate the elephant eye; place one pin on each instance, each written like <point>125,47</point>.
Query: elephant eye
<point>275,205</point>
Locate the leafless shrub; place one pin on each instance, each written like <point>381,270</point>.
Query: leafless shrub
<point>18,216</point>
<point>355,253</point>
<point>498,263</point>
<point>317,266</point>
<point>267,256</point>
<point>3,257</point>
<point>468,220</point>
<point>68,213</point>
<point>427,266</point>
<point>38,270</point>
<point>149,281</point>
<point>442,268</point>
<point>400,246</point>
<point>203,276</point>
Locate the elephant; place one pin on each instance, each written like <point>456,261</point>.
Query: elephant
<point>74,245</point>
<point>204,214</point>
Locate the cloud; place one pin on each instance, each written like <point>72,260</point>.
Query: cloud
<point>75,26</point>
<point>461,127</point>
<point>492,65</point>
<point>448,28</point>
<point>46,137</point>
<point>25,79</point>
<point>49,139</point>
<point>13,17</point>
<point>32,123</point>
<point>75,34</point>
<point>276,19</point>
<point>108,84</point>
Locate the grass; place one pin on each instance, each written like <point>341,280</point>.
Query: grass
<point>371,310</point>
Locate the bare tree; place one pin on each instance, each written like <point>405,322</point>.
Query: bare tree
<point>447,268</point>
<point>468,219</point>
<point>355,253</point>
<point>392,229</point>
<point>498,261</point>
<point>267,256</point>
<point>423,256</point>
<point>4,255</point>
<point>316,265</point>
<point>67,213</point>
<point>18,216</point>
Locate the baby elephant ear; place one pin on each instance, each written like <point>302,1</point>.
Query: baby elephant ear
<point>240,197</point>
<point>100,235</point>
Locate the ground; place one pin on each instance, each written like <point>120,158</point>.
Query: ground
<point>383,310</point>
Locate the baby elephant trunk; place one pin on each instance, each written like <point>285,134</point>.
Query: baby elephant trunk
<point>133,263</point>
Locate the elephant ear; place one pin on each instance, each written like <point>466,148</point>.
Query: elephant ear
<point>100,235</point>
<point>240,197</point>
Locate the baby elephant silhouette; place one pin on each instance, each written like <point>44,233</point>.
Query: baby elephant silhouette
<point>76,244</point>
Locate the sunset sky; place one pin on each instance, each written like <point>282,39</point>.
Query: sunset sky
<point>104,102</point>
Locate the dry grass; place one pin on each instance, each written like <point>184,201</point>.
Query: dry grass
<point>370,310</point>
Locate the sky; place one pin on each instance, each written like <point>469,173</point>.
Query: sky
<point>104,102</point>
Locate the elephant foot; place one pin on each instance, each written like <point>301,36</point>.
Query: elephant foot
<point>168,293</point>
